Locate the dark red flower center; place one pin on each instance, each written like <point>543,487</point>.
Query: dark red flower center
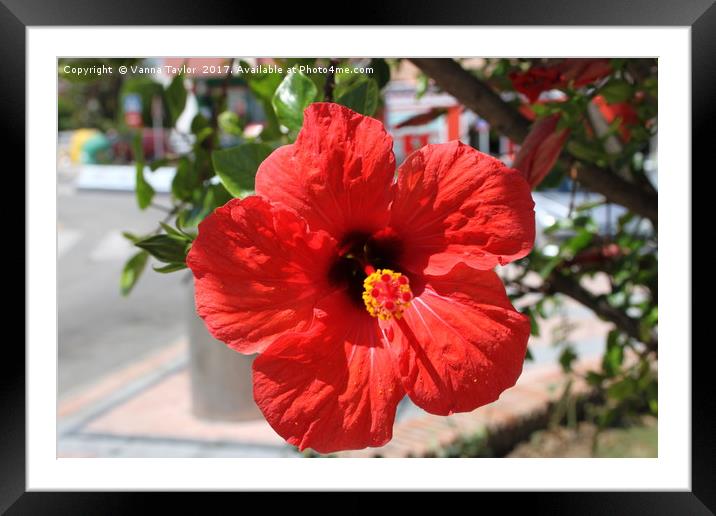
<point>360,254</point>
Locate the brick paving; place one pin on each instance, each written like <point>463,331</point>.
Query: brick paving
<point>144,410</point>
<point>156,420</point>
<point>530,398</point>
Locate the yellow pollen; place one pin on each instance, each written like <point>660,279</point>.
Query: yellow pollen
<point>386,294</point>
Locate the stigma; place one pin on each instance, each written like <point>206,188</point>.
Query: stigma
<point>386,294</point>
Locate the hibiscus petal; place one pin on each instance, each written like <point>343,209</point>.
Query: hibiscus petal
<point>258,271</point>
<point>461,343</point>
<point>455,204</point>
<point>584,71</point>
<point>331,388</point>
<point>337,174</point>
<point>623,110</point>
<point>541,149</point>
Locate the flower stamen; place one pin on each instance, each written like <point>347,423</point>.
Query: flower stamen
<point>386,294</point>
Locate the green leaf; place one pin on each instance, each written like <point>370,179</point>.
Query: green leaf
<point>614,354</point>
<point>230,123</point>
<point>216,195</point>
<point>157,163</point>
<point>594,379</point>
<point>616,90</point>
<point>584,151</point>
<point>204,134</point>
<point>271,127</point>
<point>205,202</point>
<point>131,236</point>
<point>262,85</point>
<point>185,180</point>
<point>292,96</point>
<point>606,418</point>
<point>172,267</point>
<point>173,232</point>
<point>203,168</point>
<point>360,96</point>
<point>566,358</point>
<point>175,97</point>
<point>165,248</point>
<point>548,267</point>
<point>544,110</point>
<point>143,190</point>
<point>654,406</point>
<point>422,87</point>
<point>132,271</point>
<point>381,72</point>
<point>621,389</point>
<point>190,234</point>
<point>578,242</point>
<point>237,166</point>
<point>652,317</point>
<point>651,85</point>
<point>618,63</point>
<point>178,232</point>
<point>199,123</point>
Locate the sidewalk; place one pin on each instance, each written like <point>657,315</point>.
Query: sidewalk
<point>143,410</point>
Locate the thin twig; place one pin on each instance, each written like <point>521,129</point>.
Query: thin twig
<point>330,84</point>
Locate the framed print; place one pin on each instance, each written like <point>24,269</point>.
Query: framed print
<point>416,253</point>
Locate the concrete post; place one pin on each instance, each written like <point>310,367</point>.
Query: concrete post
<point>221,384</point>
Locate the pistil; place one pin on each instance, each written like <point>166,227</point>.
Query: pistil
<point>386,294</point>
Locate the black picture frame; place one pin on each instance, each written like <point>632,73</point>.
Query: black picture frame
<point>700,15</point>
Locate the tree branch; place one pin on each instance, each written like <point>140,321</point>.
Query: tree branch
<point>480,98</point>
<point>558,283</point>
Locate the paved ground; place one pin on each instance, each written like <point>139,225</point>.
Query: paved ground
<point>98,329</point>
<point>144,410</point>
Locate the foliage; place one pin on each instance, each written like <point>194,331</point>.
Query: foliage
<point>84,101</point>
<point>621,254</point>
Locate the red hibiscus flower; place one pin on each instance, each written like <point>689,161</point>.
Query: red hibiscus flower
<point>583,71</point>
<point>622,110</point>
<point>356,288</point>
<point>577,72</point>
<point>534,81</point>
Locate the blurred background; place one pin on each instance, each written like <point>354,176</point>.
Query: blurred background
<point>143,156</point>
